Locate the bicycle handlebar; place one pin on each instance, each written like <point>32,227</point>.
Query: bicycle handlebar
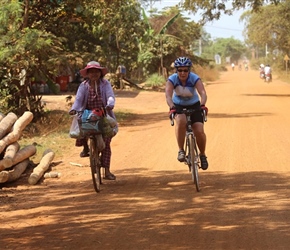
<point>187,112</point>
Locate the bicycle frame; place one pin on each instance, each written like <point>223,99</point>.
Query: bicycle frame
<point>191,150</point>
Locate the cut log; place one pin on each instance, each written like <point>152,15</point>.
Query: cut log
<point>1,116</point>
<point>16,172</point>
<point>21,155</point>
<point>4,175</point>
<point>52,175</point>
<point>10,152</point>
<point>16,132</point>
<point>6,124</point>
<point>43,165</point>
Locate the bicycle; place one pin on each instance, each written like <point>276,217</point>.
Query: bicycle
<point>95,163</point>
<point>192,159</point>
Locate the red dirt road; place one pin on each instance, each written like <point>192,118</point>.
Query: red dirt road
<point>244,202</point>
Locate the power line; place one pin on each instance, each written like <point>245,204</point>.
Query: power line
<point>223,28</point>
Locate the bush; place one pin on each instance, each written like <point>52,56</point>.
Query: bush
<point>206,73</point>
<point>155,80</point>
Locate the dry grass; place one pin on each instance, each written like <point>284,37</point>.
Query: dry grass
<point>207,74</point>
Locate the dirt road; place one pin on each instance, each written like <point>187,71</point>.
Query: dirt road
<point>244,202</point>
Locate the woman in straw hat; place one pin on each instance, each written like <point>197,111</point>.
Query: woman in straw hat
<point>95,92</point>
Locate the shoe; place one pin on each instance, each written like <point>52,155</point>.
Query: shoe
<point>84,153</point>
<point>203,162</point>
<point>110,177</point>
<point>181,155</point>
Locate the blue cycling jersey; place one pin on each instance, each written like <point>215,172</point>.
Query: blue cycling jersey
<point>184,95</point>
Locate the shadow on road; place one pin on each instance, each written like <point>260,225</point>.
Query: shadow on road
<point>241,205</point>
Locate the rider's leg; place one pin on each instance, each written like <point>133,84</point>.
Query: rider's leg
<point>180,129</point>
<point>83,142</point>
<point>106,155</point>
<point>198,129</point>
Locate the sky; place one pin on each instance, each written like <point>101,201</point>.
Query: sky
<point>225,27</point>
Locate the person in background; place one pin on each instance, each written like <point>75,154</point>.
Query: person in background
<point>262,71</point>
<point>233,66</point>
<point>268,71</point>
<point>184,89</point>
<point>95,92</point>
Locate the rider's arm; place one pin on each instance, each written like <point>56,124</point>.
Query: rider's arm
<point>168,93</point>
<point>201,91</point>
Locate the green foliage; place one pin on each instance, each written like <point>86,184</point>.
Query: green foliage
<point>23,48</point>
<point>155,80</point>
<point>213,9</point>
<point>270,26</point>
<point>225,47</point>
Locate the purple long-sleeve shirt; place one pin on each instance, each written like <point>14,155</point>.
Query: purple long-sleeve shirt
<point>107,93</point>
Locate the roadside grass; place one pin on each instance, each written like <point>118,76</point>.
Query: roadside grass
<point>283,76</point>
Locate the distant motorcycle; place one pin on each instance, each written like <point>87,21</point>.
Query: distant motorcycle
<point>262,75</point>
<point>268,78</point>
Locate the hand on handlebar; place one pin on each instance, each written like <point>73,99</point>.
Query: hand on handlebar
<point>72,112</point>
<point>172,112</point>
<point>204,108</point>
<point>109,107</point>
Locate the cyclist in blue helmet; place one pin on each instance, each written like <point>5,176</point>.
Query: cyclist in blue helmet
<point>185,89</point>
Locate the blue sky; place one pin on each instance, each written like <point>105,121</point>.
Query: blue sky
<point>226,27</point>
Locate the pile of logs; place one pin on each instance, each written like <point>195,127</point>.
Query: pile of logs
<point>14,159</point>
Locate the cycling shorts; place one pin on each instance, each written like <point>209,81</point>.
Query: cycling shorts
<point>196,116</point>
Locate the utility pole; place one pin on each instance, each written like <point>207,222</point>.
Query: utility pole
<point>200,49</point>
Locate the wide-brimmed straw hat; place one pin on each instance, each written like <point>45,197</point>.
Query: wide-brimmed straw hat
<point>93,65</point>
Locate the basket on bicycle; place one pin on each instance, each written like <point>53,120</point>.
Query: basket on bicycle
<point>94,122</point>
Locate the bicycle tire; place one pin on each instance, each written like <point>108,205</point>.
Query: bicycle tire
<point>94,164</point>
<point>193,162</point>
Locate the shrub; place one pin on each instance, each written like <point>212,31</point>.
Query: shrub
<point>155,80</point>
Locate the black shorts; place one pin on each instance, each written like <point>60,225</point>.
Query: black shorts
<point>196,116</point>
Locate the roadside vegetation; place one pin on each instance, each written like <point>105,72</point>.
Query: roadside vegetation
<point>41,40</point>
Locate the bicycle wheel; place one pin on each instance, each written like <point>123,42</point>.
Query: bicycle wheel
<point>193,161</point>
<point>94,163</point>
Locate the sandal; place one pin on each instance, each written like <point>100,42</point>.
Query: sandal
<point>110,177</point>
<point>84,153</point>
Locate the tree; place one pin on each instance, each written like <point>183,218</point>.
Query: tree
<point>269,27</point>
<point>168,35</point>
<point>225,47</point>
<point>39,38</point>
<point>23,52</point>
<point>213,9</point>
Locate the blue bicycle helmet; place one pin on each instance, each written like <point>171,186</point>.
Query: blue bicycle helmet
<point>182,62</point>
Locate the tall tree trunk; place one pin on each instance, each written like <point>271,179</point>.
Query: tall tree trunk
<point>26,12</point>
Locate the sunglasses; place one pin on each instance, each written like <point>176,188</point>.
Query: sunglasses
<point>183,70</point>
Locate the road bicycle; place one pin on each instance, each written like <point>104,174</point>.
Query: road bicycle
<point>192,159</point>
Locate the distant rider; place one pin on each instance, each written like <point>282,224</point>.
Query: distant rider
<point>262,70</point>
<point>268,71</point>
<point>233,66</point>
